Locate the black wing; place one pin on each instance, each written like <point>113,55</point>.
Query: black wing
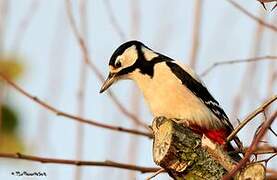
<point>198,89</point>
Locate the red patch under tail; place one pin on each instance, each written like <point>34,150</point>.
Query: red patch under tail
<point>217,135</point>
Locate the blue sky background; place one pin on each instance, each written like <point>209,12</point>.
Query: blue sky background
<point>53,61</point>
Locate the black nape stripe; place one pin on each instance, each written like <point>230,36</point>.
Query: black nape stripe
<point>201,92</point>
<point>145,67</point>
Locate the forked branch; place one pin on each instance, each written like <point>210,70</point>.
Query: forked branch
<point>94,69</point>
<point>266,124</point>
<point>251,116</point>
<point>250,15</point>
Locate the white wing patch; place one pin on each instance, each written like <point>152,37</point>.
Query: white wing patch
<point>148,54</point>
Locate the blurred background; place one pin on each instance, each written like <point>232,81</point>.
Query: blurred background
<point>40,52</point>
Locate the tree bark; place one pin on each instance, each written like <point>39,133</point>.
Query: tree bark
<point>186,155</point>
<point>179,151</point>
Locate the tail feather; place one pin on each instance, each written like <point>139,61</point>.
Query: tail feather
<point>232,153</point>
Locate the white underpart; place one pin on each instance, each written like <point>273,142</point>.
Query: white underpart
<point>167,96</point>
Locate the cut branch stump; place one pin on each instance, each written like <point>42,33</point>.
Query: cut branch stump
<point>181,153</point>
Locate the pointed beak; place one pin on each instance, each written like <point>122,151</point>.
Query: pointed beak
<point>108,82</point>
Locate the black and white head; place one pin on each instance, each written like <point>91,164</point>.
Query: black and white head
<point>131,59</point>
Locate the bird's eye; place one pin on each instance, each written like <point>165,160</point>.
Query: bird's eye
<point>118,64</point>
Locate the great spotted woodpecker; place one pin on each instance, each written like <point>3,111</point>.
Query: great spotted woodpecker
<point>171,89</point>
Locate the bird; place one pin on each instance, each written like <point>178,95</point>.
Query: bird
<point>172,90</point>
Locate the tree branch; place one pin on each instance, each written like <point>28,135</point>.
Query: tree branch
<point>79,163</point>
<point>161,170</point>
<point>94,69</point>
<point>260,21</point>
<point>70,116</point>
<point>253,146</point>
<point>24,24</point>
<point>260,150</point>
<point>113,20</point>
<point>236,61</point>
<point>251,116</point>
<point>198,6</point>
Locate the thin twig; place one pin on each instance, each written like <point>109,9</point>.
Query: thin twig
<point>161,170</point>
<point>81,94</point>
<point>24,24</point>
<point>266,160</point>
<point>196,32</point>
<point>237,61</point>
<point>134,144</point>
<point>80,39</point>
<point>253,146</point>
<point>4,11</point>
<point>113,20</point>
<point>78,162</point>
<point>70,116</point>
<point>54,82</point>
<point>94,69</point>
<point>251,116</point>
<point>259,150</point>
<point>247,13</point>
<point>249,74</point>
<point>272,171</point>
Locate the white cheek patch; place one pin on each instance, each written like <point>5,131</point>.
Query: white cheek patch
<point>148,54</point>
<point>129,56</point>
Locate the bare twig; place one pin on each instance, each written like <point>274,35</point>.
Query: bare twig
<point>80,39</point>
<point>113,20</point>
<point>133,145</point>
<point>95,69</point>
<point>54,82</point>
<point>70,116</point>
<point>251,116</point>
<point>24,24</point>
<point>80,131</point>
<point>266,160</point>
<point>196,32</point>
<point>237,61</point>
<point>247,13</point>
<point>272,172</point>
<point>161,170</point>
<point>253,146</point>
<point>79,163</point>
<point>259,150</point>
<point>272,64</point>
<point>4,10</point>
<point>249,74</point>
<point>135,19</point>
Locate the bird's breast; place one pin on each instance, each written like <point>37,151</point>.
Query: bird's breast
<point>167,96</point>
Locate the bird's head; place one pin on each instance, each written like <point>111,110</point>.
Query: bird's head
<point>130,59</point>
